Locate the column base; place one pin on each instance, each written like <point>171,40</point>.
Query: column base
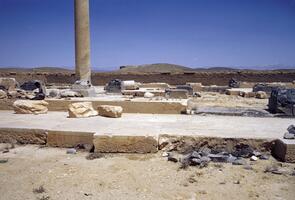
<point>84,87</point>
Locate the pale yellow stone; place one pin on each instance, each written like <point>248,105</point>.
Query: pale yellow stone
<point>30,107</point>
<point>110,111</point>
<point>81,110</point>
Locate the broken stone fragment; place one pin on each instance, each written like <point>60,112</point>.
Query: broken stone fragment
<point>218,157</point>
<point>289,136</point>
<point>8,84</point>
<point>172,159</point>
<point>264,157</point>
<point>3,94</point>
<point>30,107</point>
<point>148,95</point>
<point>291,129</point>
<point>71,151</point>
<point>110,111</point>
<point>81,110</point>
<point>261,95</point>
<point>253,158</point>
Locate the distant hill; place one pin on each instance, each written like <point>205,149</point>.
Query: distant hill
<point>154,68</point>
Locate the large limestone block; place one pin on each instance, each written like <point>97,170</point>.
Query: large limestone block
<point>110,111</point>
<point>8,83</point>
<point>69,138</point>
<point>81,110</point>
<point>30,107</point>
<point>3,94</point>
<point>125,144</point>
<point>176,93</point>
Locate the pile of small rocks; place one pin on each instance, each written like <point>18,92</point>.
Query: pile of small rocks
<point>205,155</point>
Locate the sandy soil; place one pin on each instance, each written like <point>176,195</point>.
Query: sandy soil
<point>125,176</point>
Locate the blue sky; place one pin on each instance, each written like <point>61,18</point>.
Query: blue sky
<point>193,33</point>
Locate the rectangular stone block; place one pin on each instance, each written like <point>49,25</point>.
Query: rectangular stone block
<point>69,138</point>
<point>177,93</point>
<point>233,92</point>
<point>152,107</point>
<point>284,150</point>
<point>125,144</point>
<point>23,136</point>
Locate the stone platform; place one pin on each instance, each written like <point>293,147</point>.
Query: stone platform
<point>137,105</point>
<point>139,133</point>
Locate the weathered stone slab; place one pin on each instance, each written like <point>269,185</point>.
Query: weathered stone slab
<point>284,150</point>
<point>30,107</point>
<point>176,93</point>
<point>68,138</point>
<point>23,136</point>
<point>125,144</point>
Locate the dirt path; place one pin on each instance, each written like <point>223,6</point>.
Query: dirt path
<point>125,176</point>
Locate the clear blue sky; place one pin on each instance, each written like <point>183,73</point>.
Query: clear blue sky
<point>193,33</point>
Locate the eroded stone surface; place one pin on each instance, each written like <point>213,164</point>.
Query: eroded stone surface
<point>8,83</point>
<point>81,109</point>
<point>125,144</point>
<point>30,107</point>
<point>69,138</point>
<point>23,136</point>
<point>3,94</point>
<point>110,111</point>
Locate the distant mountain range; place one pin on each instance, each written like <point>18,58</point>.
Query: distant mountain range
<point>150,68</point>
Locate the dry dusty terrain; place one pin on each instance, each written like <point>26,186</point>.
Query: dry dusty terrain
<point>212,77</point>
<point>125,176</point>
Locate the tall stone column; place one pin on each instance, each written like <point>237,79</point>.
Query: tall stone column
<point>82,42</point>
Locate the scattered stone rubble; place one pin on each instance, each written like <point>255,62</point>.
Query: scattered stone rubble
<point>204,155</point>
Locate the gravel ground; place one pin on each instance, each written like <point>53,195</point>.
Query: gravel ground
<point>133,176</point>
